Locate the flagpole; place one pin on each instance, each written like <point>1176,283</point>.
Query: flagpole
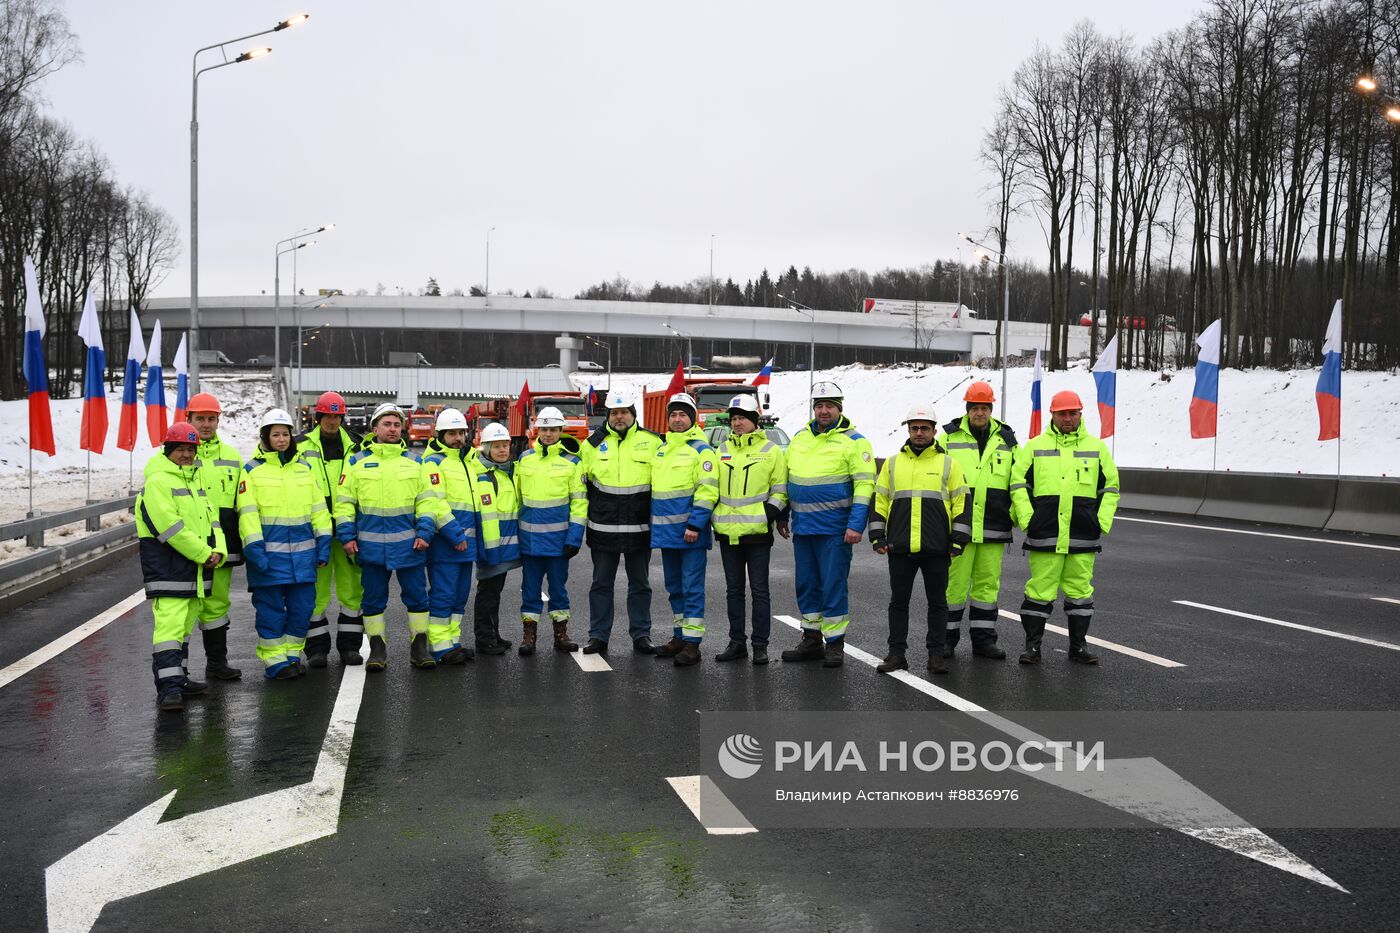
<point>31,481</point>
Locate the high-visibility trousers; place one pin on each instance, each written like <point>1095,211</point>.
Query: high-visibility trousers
<point>822,572</point>
<point>282,617</point>
<point>175,618</point>
<point>683,571</point>
<point>1051,574</point>
<point>413,589</point>
<point>449,586</point>
<point>974,582</point>
<point>213,609</point>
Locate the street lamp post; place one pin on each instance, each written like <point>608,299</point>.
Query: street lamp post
<point>488,265</point>
<point>300,343</point>
<point>292,245</point>
<point>984,254</point>
<point>608,348</point>
<point>812,338</point>
<point>196,71</point>
<point>712,273</point>
<point>688,348</point>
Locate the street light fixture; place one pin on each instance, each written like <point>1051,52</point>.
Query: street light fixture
<point>277,296</point>
<point>812,339</point>
<point>196,71</point>
<point>686,338</point>
<point>607,347</point>
<point>1366,83</point>
<point>984,255</point>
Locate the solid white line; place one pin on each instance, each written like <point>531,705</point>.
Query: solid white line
<point>1386,599</point>
<point>64,642</point>
<point>1260,534</point>
<point>593,663</point>
<point>1302,628</point>
<point>1109,645</point>
<point>688,789</point>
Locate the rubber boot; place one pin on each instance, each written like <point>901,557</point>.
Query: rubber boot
<point>735,651</point>
<point>347,643</point>
<point>193,688</point>
<point>1034,627</point>
<point>1078,644</point>
<point>216,654</point>
<point>810,648</point>
<point>671,648</point>
<point>688,655</point>
<point>318,647</point>
<point>834,655</point>
<point>172,701</point>
<point>378,654</point>
<point>459,654</point>
<point>561,636</point>
<point>527,641</point>
<point>950,641</point>
<point>419,655</point>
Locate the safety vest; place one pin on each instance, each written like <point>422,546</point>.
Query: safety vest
<point>177,530</point>
<point>684,489</point>
<point>919,498</point>
<point>988,475</point>
<point>553,502</point>
<point>451,466</point>
<point>752,476</point>
<point>1064,492</point>
<point>498,510</point>
<point>220,471</point>
<point>617,472</point>
<point>385,500</point>
<point>283,520</point>
<point>312,448</point>
<point>831,479</point>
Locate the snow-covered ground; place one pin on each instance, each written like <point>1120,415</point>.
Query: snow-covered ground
<point>1268,419</point>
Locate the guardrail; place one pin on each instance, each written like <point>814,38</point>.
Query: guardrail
<point>59,556</point>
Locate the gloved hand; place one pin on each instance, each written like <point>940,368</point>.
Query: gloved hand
<point>955,549</point>
<point>570,552</point>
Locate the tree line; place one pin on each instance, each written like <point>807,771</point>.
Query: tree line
<point>61,205</point>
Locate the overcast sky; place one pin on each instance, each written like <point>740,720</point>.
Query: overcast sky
<point>600,139</point>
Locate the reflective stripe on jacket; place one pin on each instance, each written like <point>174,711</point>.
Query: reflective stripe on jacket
<point>498,511</point>
<point>385,500</point>
<point>1064,492</point>
<point>457,489</point>
<point>283,520</point>
<point>553,502</point>
<point>617,473</point>
<point>177,528</point>
<point>752,479</point>
<point>920,502</point>
<point>988,475</point>
<point>684,489</point>
<point>220,471</point>
<point>831,479</point>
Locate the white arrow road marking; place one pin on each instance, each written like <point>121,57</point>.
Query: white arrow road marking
<point>61,644</point>
<point>1260,534</point>
<point>1302,628</point>
<point>141,853</point>
<point>1107,645</point>
<point>1141,786</point>
<point>1386,599</point>
<point>721,817</point>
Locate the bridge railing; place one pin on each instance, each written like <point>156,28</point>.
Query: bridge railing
<point>59,557</point>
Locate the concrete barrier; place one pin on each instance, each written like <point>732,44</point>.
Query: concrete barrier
<point>1367,504</point>
<point>1273,498</point>
<point>1179,492</point>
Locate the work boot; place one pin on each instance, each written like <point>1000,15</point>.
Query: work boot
<point>287,673</point>
<point>595,646</point>
<point>643,645</point>
<point>936,665</point>
<point>216,654</point>
<point>760,654</point>
<point>950,641</point>
<point>193,688</point>
<point>1030,655</point>
<point>1078,641</point>
<point>298,667</point>
<point>892,662</point>
<point>1034,627</point>
<point>988,651</point>
<point>378,654</point>
<point>561,636</point>
<point>459,654</point>
<point>351,657</point>
<point>316,660</point>
<point>527,641</point>
<point>419,655</point>
<point>688,655</point>
<point>491,648</point>
<point>810,648</point>
<point>735,651</point>
<point>172,701</point>
<point>834,654</point>
<point>671,648</point>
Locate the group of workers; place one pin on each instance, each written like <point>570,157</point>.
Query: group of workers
<point>332,511</point>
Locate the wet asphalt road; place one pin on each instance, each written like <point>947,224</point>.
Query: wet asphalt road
<point>528,794</point>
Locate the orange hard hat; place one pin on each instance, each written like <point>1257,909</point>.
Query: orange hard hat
<point>203,401</point>
<point>181,432</point>
<point>980,393</point>
<point>1066,401</point>
<point>330,403</point>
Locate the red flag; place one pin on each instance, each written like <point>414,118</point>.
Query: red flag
<point>524,403</point>
<point>677,381</point>
<point>471,413</point>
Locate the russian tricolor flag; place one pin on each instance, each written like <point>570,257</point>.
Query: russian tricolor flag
<point>1106,382</point>
<point>1035,396</point>
<point>764,375</point>
<point>156,422</point>
<point>1206,394</point>
<point>36,374</point>
<point>93,434</point>
<point>182,380</point>
<point>131,384</point>
<point>1329,381</point>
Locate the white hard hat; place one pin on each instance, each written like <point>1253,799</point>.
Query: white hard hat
<point>744,403</point>
<point>450,419</point>
<point>618,398</point>
<point>276,416</point>
<point>388,408</point>
<point>920,413</point>
<point>827,390</point>
<point>550,417</point>
<point>682,398</point>
<point>495,431</point>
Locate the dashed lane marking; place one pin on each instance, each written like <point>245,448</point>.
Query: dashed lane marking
<point>1294,625</point>
<point>62,643</point>
<point>1259,534</point>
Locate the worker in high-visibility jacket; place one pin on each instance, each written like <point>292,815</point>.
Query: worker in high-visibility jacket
<point>553,515</point>
<point>984,447</point>
<point>181,542</point>
<point>920,522</point>
<point>450,565</point>
<point>325,448</point>
<point>831,480</point>
<point>752,500</point>
<point>220,468</point>
<point>684,492</point>
<point>617,462</point>
<point>286,532</point>
<point>387,510</point>
<point>1064,494</point>
<point>492,475</point>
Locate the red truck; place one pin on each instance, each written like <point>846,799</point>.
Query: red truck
<point>522,429</point>
<point>711,394</point>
